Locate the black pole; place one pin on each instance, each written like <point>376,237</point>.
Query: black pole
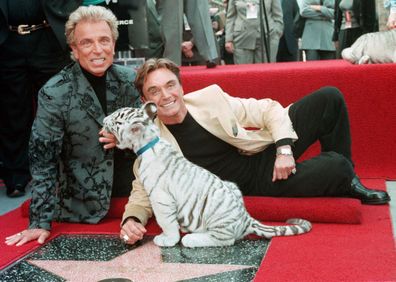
<point>263,32</point>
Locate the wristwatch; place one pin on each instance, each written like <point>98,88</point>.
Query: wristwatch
<point>284,151</point>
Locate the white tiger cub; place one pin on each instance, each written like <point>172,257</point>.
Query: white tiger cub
<point>183,195</point>
<point>372,48</point>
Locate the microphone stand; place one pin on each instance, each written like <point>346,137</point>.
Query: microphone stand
<point>264,32</point>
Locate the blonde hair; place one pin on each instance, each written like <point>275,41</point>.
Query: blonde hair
<point>90,14</point>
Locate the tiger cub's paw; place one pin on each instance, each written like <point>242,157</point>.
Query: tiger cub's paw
<point>190,241</point>
<point>165,241</point>
<point>365,59</point>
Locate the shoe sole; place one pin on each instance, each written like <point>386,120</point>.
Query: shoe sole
<point>375,202</point>
<point>16,194</point>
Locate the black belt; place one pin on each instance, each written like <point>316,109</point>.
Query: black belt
<point>23,29</point>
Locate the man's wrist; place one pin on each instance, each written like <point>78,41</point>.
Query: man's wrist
<point>134,218</point>
<point>284,151</point>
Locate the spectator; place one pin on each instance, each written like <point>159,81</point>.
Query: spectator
<point>218,22</point>
<point>218,18</point>
<point>73,177</point>
<point>352,18</point>
<point>319,28</point>
<point>197,13</point>
<point>190,54</point>
<point>391,4</point>
<point>156,44</point>
<point>32,49</point>
<point>288,44</point>
<point>243,32</point>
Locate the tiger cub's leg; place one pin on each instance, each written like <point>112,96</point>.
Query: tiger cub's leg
<point>206,240</point>
<point>170,235</point>
<point>164,240</point>
<point>166,219</point>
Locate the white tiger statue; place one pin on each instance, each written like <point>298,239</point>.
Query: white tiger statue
<point>372,48</point>
<point>186,196</point>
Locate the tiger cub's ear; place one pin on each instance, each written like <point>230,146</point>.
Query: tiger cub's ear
<point>151,109</point>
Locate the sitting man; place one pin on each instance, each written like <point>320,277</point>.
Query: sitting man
<point>72,175</point>
<point>262,162</point>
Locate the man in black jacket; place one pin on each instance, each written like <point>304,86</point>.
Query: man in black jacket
<point>32,49</point>
<point>288,47</point>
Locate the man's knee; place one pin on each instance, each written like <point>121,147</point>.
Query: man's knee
<point>330,100</point>
<point>333,94</point>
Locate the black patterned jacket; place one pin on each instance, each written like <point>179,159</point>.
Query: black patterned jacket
<point>72,173</point>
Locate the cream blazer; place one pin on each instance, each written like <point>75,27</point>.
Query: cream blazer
<point>227,118</point>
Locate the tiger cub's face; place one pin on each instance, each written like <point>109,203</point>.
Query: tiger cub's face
<point>132,127</point>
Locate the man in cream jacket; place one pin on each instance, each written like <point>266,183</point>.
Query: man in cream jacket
<point>208,127</point>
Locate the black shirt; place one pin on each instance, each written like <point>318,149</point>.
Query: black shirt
<point>123,160</point>
<point>206,150</point>
<point>25,12</point>
<point>98,84</point>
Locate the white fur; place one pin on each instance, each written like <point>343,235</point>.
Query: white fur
<point>372,48</point>
<point>185,196</point>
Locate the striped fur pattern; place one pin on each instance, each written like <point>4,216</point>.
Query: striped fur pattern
<point>372,48</point>
<point>185,196</point>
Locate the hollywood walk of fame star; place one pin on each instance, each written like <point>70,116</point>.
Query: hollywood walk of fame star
<point>143,263</point>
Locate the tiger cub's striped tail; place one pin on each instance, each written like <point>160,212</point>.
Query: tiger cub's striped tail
<point>298,226</point>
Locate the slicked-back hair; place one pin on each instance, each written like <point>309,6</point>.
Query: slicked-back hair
<point>151,65</point>
<point>90,14</point>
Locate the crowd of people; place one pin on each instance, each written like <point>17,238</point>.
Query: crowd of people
<point>256,31</point>
<point>74,165</point>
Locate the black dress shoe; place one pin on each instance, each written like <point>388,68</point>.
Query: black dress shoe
<point>211,64</point>
<point>17,191</point>
<point>367,196</point>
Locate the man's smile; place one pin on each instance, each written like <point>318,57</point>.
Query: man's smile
<point>169,104</point>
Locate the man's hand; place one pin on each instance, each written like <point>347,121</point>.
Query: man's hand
<point>187,47</point>
<point>283,167</point>
<point>229,46</point>
<point>132,231</point>
<point>391,24</point>
<point>316,8</point>
<point>28,235</point>
<point>108,139</point>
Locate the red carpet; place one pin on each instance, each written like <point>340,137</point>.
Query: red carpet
<point>335,252</point>
<point>330,252</point>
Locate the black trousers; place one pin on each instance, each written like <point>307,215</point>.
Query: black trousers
<point>284,53</point>
<point>321,116</point>
<point>314,55</point>
<point>26,63</point>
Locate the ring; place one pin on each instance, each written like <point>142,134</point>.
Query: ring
<point>19,234</point>
<point>294,170</point>
<point>125,237</point>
